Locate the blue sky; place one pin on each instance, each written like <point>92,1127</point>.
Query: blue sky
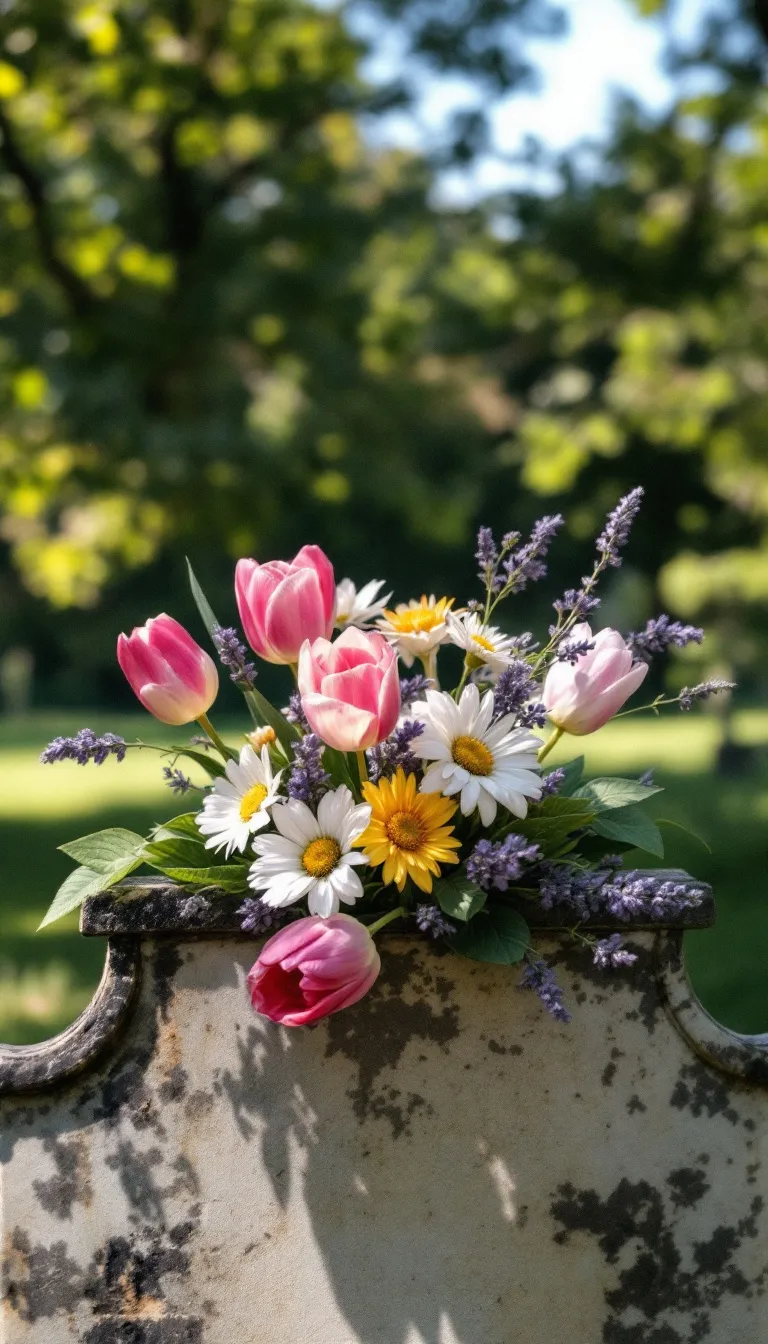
<point>608,47</point>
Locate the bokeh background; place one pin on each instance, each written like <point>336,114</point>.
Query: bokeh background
<point>369,273</point>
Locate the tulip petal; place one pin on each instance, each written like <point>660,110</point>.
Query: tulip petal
<point>341,726</point>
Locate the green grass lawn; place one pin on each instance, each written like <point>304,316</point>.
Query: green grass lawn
<point>46,978</point>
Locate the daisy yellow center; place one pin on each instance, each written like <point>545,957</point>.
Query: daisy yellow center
<point>416,619</point>
<point>484,643</point>
<point>405,830</point>
<point>472,755</point>
<point>321,856</point>
<point>252,800</point>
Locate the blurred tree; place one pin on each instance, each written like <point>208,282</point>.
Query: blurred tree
<point>632,343</point>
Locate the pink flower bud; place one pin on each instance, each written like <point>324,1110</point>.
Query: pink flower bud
<point>283,604</point>
<point>172,676</point>
<point>313,968</point>
<point>581,698</point>
<point>350,690</point>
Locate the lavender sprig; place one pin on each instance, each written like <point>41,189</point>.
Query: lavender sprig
<point>395,752</point>
<point>571,651</point>
<point>618,526</point>
<point>514,688</point>
<point>176,780</point>
<point>526,565</point>
<point>431,920</point>
<point>660,633</point>
<point>577,602</point>
<point>487,556</point>
<point>308,780</point>
<point>412,689</point>
<point>294,713</point>
<point>497,865</point>
<point>703,691</point>
<point>540,977</point>
<point>234,656</point>
<point>610,953</point>
<point>85,746</point>
<point>550,783</point>
<point>256,916</point>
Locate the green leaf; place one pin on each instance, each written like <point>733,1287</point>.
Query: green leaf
<point>551,822</point>
<point>177,851</point>
<point>665,821</point>
<point>85,882</point>
<point>104,850</point>
<point>573,771</point>
<point>605,794</point>
<point>201,601</point>
<point>71,894</point>
<point>632,826</point>
<point>229,876</point>
<point>285,732</point>
<point>497,934</point>
<point>338,767</point>
<point>185,824</point>
<point>211,764</point>
<point>458,897</point>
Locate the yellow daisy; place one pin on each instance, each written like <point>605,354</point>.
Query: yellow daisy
<point>417,627</point>
<point>407,831</point>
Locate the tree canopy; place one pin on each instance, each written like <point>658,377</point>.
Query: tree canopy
<point>230,325</point>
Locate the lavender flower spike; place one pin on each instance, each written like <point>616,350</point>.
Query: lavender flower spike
<point>85,746</point>
<point>498,865</point>
<point>486,555</point>
<point>234,656</point>
<point>660,633</point>
<point>540,977</point>
<point>256,916</point>
<point>431,919</point>
<point>619,525</point>
<point>527,564</point>
<point>609,953</point>
<point>703,691</point>
<point>308,781</point>
<point>176,780</point>
<point>396,752</point>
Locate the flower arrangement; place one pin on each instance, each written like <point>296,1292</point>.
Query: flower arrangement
<point>374,799</point>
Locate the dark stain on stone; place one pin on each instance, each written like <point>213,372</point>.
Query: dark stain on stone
<point>608,1074</point>
<point>199,1104</point>
<point>687,1185</point>
<point>703,1092</point>
<point>168,961</point>
<point>374,1034</point>
<point>497,1049</point>
<point>655,1297</point>
<point>171,1330</point>
<point>635,1104</point>
<point>175,1086</point>
<point>72,1183</point>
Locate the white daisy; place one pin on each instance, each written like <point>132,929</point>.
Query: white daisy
<point>359,608</point>
<point>485,645</point>
<point>485,763</point>
<point>239,802</point>
<point>416,628</point>
<point>312,855</point>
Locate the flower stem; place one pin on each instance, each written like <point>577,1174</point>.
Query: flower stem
<point>219,744</point>
<point>386,919</point>
<point>550,743</point>
<point>362,766</point>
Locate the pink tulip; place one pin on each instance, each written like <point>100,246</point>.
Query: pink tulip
<point>313,968</point>
<point>172,676</point>
<point>350,690</point>
<point>283,604</point>
<point>581,698</point>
